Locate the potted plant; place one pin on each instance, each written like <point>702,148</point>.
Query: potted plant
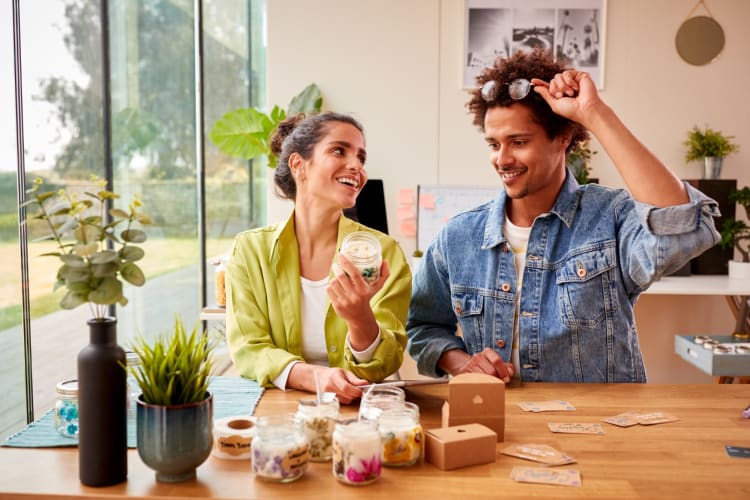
<point>712,147</point>
<point>174,413</point>
<point>736,234</point>
<point>579,162</point>
<point>246,132</point>
<point>416,260</point>
<point>96,257</point>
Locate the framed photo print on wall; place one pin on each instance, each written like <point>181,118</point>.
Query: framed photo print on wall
<point>572,29</point>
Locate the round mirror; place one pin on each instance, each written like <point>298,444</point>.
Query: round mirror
<point>699,40</point>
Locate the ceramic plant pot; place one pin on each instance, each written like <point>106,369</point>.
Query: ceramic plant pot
<point>174,440</point>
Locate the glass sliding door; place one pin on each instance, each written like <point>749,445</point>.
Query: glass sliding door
<point>153,141</point>
<point>12,359</point>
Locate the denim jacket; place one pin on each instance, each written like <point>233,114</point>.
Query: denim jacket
<point>587,261</point>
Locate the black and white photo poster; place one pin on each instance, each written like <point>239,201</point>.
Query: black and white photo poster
<point>572,29</point>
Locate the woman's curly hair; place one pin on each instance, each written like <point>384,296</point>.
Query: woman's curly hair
<point>536,64</point>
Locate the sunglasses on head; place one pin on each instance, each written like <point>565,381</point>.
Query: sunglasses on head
<point>517,89</point>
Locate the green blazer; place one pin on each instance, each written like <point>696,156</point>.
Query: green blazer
<point>263,306</point>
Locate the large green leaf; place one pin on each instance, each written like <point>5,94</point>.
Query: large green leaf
<point>243,133</point>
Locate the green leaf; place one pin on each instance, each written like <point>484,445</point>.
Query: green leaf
<point>117,213</point>
<point>132,253</point>
<point>108,292</point>
<point>72,300</point>
<point>133,236</point>
<point>72,260</point>
<point>309,101</point>
<point>73,274</point>
<point>104,257</point>
<point>242,133</point>
<point>132,274</point>
<point>105,269</point>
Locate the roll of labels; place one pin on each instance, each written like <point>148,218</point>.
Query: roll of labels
<point>233,437</point>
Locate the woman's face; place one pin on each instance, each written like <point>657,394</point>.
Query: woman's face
<point>335,173</point>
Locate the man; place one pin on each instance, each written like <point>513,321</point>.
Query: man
<point>542,280</point>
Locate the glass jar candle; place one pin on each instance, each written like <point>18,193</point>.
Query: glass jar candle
<point>318,419</point>
<point>357,451</point>
<point>401,434</point>
<point>280,449</point>
<point>364,251</point>
<point>133,361</point>
<point>379,398</point>
<point>66,408</point>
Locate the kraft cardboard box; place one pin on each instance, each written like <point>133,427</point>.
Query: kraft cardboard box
<point>460,446</point>
<point>476,398</point>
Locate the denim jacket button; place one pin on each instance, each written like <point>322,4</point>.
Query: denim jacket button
<point>458,308</point>
<point>500,343</point>
<point>581,272</point>
<point>505,287</point>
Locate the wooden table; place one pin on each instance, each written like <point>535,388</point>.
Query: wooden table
<point>683,459</point>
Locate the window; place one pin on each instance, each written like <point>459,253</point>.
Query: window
<point>197,197</point>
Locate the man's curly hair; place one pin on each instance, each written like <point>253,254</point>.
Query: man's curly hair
<point>537,64</point>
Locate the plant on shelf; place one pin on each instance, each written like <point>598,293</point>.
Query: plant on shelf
<point>711,146</point>
<point>708,143</point>
<point>246,132</point>
<point>90,270</point>
<point>174,413</point>
<point>736,233</point>
<point>579,161</point>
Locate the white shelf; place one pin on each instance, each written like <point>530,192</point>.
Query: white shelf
<point>699,284</point>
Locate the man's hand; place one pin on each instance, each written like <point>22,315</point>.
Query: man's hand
<point>571,94</point>
<point>488,361</point>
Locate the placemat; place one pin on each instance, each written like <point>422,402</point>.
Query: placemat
<point>232,396</point>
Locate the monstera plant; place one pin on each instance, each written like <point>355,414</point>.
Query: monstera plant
<point>246,132</point>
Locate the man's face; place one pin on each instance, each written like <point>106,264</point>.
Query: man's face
<point>531,166</point>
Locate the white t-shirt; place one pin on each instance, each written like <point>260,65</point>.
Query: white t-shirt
<point>518,238</point>
<point>313,305</point>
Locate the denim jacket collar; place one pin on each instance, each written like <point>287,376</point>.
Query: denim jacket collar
<point>565,208</point>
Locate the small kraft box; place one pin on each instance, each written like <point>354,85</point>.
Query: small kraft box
<point>460,446</point>
<point>476,398</point>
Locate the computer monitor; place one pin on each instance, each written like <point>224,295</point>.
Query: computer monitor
<point>370,207</point>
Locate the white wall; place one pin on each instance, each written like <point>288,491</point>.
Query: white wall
<point>396,65</point>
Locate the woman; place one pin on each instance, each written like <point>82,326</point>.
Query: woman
<point>297,310</point>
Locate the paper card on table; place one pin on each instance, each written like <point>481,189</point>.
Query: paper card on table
<point>656,417</point>
<point>541,453</point>
<point>405,196</point>
<point>623,419</point>
<point>553,405</point>
<point>427,201</point>
<point>566,477</point>
<point>575,428</point>
<point>738,451</point>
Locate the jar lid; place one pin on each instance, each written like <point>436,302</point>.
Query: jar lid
<point>67,388</point>
<point>132,358</point>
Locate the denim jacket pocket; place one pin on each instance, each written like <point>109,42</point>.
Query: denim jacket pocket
<point>468,308</point>
<point>585,286</point>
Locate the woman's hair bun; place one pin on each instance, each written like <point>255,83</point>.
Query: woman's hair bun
<point>284,128</point>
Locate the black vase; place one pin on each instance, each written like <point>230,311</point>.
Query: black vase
<point>102,407</point>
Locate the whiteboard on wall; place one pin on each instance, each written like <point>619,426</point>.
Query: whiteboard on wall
<point>436,204</point>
